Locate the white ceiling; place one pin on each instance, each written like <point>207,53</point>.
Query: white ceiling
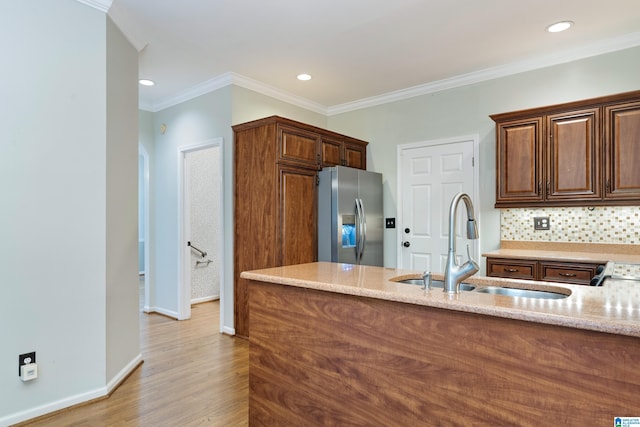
<point>358,51</point>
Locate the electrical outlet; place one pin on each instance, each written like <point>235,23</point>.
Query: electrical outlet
<point>541,223</point>
<point>25,359</point>
<point>390,223</point>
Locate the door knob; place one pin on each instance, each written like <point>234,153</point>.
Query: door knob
<point>406,244</point>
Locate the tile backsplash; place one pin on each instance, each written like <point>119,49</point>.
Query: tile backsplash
<point>601,224</point>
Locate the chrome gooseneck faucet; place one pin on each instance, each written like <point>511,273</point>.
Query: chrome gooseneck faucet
<point>454,273</point>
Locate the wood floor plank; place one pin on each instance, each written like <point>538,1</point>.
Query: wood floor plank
<point>191,376</point>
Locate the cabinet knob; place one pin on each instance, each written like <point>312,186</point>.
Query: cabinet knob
<point>406,244</point>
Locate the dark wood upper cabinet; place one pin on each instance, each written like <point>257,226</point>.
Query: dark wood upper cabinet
<point>355,155</point>
<point>622,151</point>
<point>344,152</point>
<point>519,160</point>
<point>583,153</point>
<point>298,146</point>
<point>573,156</point>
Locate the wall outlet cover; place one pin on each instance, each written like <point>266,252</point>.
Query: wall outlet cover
<point>25,359</point>
<point>541,223</point>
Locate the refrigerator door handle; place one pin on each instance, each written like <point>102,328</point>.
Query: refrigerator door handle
<point>363,222</point>
<point>358,231</point>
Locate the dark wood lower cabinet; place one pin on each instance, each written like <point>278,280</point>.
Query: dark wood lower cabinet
<point>577,273</point>
<point>318,358</point>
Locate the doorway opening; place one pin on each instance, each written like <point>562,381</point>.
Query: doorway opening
<point>201,226</point>
<point>143,228</point>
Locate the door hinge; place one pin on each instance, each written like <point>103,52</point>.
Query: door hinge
<point>473,162</point>
<point>317,180</point>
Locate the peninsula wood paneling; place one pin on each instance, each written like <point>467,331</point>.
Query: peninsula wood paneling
<point>318,358</point>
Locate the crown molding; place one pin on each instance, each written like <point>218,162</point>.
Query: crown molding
<point>102,5</point>
<point>281,95</point>
<point>602,47</point>
<point>231,78</point>
<point>191,93</point>
<point>595,49</point>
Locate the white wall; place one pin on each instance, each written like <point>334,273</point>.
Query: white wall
<point>123,335</point>
<point>206,117</point>
<point>466,110</point>
<point>145,140</point>
<point>55,264</point>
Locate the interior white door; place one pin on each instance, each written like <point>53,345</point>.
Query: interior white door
<point>431,174</point>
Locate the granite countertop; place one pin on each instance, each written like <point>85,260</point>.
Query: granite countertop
<point>567,252</point>
<point>613,308</point>
<point>564,256</point>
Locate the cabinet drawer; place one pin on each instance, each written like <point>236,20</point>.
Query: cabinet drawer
<point>577,273</point>
<point>511,268</point>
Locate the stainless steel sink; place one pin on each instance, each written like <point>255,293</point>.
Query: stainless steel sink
<point>523,293</point>
<point>439,284</point>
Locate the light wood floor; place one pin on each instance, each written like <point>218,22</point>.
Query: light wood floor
<point>191,376</point>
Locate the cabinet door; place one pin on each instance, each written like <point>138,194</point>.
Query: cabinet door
<point>573,156</point>
<point>297,223</point>
<point>519,161</point>
<point>298,146</point>
<point>332,152</point>
<point>622,151</point>
<point>355,156</point>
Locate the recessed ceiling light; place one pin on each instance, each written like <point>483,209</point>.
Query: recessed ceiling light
<point>559,26</point>
<point>304,77</point>
<point>146,82</point>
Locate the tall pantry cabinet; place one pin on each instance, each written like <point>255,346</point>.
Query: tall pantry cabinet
<point>276,161</point>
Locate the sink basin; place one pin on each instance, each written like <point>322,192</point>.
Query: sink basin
<point>439,284</point>
<point>524,293</point>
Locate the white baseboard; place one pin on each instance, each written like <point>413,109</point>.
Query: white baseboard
<point>227,330</point>
<point>160,310</point>
<point>124,372</point>
<point>195,301</point>
<point>47,408</point>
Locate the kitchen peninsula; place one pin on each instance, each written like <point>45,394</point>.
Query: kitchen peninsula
<point>338,344</point>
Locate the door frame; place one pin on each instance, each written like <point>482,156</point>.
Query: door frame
<point>146,227</point>
<point>476,182</point>
<point>184,228</point>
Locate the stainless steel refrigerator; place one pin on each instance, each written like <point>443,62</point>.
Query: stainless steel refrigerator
<point>350,217</point>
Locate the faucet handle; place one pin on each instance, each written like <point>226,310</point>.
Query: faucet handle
<point>426,279</point>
